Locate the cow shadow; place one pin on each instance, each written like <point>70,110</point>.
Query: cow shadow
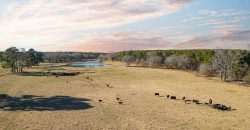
<point>39,103</point>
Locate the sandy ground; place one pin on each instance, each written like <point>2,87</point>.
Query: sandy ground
<point>72,103</point>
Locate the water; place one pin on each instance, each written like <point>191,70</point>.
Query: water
<point>87,64</point>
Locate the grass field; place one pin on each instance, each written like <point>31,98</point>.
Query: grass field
<point>71,103</point>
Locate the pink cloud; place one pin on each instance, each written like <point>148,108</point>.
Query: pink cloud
<point>230,40</point>
<point>59,25</point>
<point>119,42</point>
<point>40,22</point>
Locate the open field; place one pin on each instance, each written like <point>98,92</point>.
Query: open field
<point>71,103</point>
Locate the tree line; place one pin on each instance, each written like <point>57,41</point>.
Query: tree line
<point>16,59</point>
<point>57,57</point>
<point>224,63</point>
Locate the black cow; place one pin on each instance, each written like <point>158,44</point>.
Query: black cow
<point>157,94</point>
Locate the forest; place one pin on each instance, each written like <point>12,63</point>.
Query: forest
<point>228,65</point>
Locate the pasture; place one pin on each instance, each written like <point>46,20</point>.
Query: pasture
<point>73,102</point>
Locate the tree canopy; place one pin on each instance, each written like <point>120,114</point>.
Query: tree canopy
<point>16,59</point>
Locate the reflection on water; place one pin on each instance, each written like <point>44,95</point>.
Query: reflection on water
<point>87,64</point>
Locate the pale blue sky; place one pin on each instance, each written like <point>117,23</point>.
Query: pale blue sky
<point>113,25</point>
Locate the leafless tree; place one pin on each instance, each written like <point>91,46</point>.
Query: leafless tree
<point>102,57</point>
<point>180,62</point>
<point>127,59</point>
<point>184,62</point>
<point>171,61</point>
<point>137,62</point>
<point>111,56</point>
<point>223,62</point>
<point>154,61</point>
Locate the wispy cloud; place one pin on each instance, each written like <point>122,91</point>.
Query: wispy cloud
<point>118,41</point>
<point>215,18</point>
<point>36,22</point>
<point>230,40</point>
<point>101,25</point>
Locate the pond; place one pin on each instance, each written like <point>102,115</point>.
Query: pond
<point>87,64</point>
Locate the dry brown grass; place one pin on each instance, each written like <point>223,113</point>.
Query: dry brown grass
<point>140,109</point>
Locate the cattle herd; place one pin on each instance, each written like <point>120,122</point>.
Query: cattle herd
<point>195,101</point>
<point>189,101</point>
<point>118,99</point>
<point>184,99</point>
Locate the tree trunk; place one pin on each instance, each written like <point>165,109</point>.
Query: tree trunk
<point>12,69</point>
<point>224,75</point>
<point>221,75</point>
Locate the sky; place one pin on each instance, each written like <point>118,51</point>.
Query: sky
<point>117,25</point>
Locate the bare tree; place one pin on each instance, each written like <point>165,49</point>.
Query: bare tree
<point>154,61</point>
<point>111,56</point>
<point>184,62</point>
<point>127,59</point>
<point>179,62</point>
<point>171,61</point>
<point>223,62</point>
<point>137,62</point>
<point>102,57</point>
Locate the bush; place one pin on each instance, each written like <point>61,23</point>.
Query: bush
<point>247,77</point>
<point>238,72</point>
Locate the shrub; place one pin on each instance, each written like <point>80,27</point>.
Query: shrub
<point>238,72</point>
<point>247,77</point>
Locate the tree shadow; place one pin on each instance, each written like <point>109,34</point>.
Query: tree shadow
<point>49,73</point>
<point>39,103</point>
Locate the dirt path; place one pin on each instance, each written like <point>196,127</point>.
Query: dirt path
<point>72,102</point>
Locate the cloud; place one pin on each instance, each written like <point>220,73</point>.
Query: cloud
<point>208,12</point>
<point>230,40</point>
<point>216,19</point>
<point>37,22</point>
<point>143,40</point>
<point>223,13</point>
<point>222,21</point>
<point>99,25</point>
<point>118,41</point>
